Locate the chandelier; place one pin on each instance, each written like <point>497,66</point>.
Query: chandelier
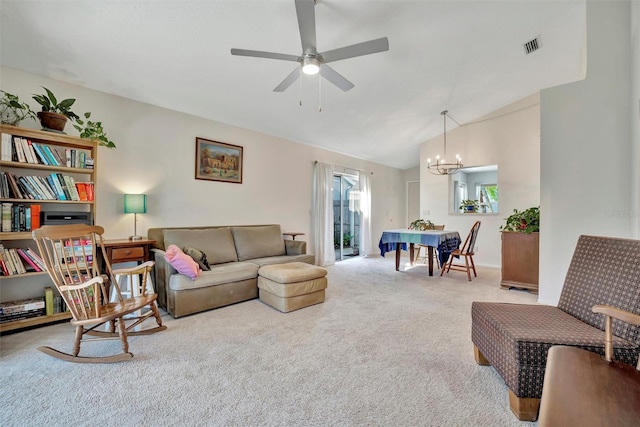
<point>441,167</point>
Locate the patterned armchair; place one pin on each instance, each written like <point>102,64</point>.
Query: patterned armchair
<point>515,338</point>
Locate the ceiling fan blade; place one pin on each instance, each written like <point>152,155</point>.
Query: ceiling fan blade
<point>288,81</point>
<point>336,78</point>
<point>261,54</point>
<point>307,25</point>
<point>364,48</point>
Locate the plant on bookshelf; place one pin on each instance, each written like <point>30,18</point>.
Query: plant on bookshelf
<point>12,111</point>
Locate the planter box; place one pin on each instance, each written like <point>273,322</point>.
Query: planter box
<point>520,260</point>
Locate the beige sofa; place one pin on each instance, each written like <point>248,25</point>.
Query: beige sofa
<point>235,253</point>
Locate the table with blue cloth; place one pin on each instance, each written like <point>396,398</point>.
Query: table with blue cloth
<point>444,240</point>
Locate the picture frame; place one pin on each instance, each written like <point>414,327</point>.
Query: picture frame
<point>218,161</point>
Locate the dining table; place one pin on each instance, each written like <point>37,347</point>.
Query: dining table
<point>446,241</point>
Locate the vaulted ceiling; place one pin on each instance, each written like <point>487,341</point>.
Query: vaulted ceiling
<point>463,56</point>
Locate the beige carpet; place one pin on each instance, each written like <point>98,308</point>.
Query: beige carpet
<point>387,348</point>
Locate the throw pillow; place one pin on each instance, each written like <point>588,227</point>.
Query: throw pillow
<point>182,262</point>
<point>198,256</point>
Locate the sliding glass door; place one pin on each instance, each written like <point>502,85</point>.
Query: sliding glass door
<point>346,216</point>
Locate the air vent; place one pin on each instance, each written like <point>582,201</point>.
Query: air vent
<point>532,45</point>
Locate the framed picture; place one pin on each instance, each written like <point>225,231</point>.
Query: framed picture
<point>217,161</point>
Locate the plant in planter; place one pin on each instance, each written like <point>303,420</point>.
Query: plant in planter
<point>421,225</point>
<point>93,131</point>
<point>526,221</point>
<point>469,206</point>
<point>12,111</point>
<point>54,114</point>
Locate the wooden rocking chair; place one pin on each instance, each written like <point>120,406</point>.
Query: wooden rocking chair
<point>69,253</point>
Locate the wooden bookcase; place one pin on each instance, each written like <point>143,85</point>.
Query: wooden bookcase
<point>13,239</point>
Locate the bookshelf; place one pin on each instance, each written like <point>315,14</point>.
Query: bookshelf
<point>36,169</point>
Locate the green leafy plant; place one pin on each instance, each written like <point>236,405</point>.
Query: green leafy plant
<point>12,111</point>
<point>465,203</point>
<point>50,103</point>
<point>346,239</point>
<point>526,221</point>
<point>421,225</point>
<point>93,131</point>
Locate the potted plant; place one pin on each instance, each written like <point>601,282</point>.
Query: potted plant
<point>526,221</point>
<point>469,206</point>
<point>93,131</point>
<point>54,114</point>
<point>520,250</point>
<point>12,111</point>
<point>421,225</point>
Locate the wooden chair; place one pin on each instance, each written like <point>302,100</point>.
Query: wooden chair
<point>69,253</point>
<point>425,257</point>
<point>467,252</point>
<point>581,388</point>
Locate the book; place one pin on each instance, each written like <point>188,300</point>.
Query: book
<point>6,216</point>
<point>71,186</point>
<point>6,147</point>
<point>35,258</point>
<point>28,260</point>
<point>63,185</point>
<point>67,153</point>
<point>50,155</point>
<point>30,304</point>
<point>40,153</point>
<point>59,158</point>
<point>35,216</point>
<point>13,185</point>
<point>17,143</point>
<point>17,263</point>
<point>88,163</point>
<point>89,188</point>
<point>54,183</point>
<point>81,187</point>
<point>32,152</point>
<point>48,300</point>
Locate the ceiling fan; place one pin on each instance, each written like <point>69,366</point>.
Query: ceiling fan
<point>311,61</point>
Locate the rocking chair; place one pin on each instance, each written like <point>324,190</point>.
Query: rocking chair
<point>69,253</point>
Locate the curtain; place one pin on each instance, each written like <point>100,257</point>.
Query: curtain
<point>322,214</point>
<point>365,214</point>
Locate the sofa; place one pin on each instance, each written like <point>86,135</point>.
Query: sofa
<point>515,338</point>
<point>234,253</point>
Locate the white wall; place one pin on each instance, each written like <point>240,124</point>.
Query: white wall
<point>588,156</point>
<point>508,138</point>
<point>155,155</point>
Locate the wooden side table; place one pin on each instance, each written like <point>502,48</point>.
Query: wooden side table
<point>125,250</point>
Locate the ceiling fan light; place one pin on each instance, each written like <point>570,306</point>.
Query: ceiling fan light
<point>310,66</point>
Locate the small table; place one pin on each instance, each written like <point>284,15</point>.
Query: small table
<point>125,250</point>
<point>293,234</point>
<point>445,241</point>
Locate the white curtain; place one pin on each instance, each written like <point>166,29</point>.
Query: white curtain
<point>323,214</point>
<point>365,214</point>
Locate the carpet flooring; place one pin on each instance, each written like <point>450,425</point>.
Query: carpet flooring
<point>386,348</point>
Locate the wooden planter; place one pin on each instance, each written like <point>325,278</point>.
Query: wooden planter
<point>520,260</point>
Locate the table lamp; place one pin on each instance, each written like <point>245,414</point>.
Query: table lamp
<point>135,204</point>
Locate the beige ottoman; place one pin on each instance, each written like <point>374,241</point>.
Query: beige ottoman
<point>288,287</point>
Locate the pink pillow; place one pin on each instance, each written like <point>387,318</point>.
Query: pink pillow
<point>182,262</point>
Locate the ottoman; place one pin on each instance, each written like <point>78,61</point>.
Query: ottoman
<point>291,286</point>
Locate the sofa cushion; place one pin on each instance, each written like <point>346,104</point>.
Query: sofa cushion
<point>218,275</point>
<point>258,242</point>
<point>198,256</point>
<point>282,259</point>
<point>182,262</point>
<point>217,243</point>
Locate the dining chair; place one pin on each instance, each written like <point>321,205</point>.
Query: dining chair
<point>69,253</point>
<point>466,252</point>
<point>425,257</point>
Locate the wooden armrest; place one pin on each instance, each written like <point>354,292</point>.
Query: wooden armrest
<point>135,269</point>
<point>91,282</point>
<point>619,314</point>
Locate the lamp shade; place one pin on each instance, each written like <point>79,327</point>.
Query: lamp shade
<point>135,203</point>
